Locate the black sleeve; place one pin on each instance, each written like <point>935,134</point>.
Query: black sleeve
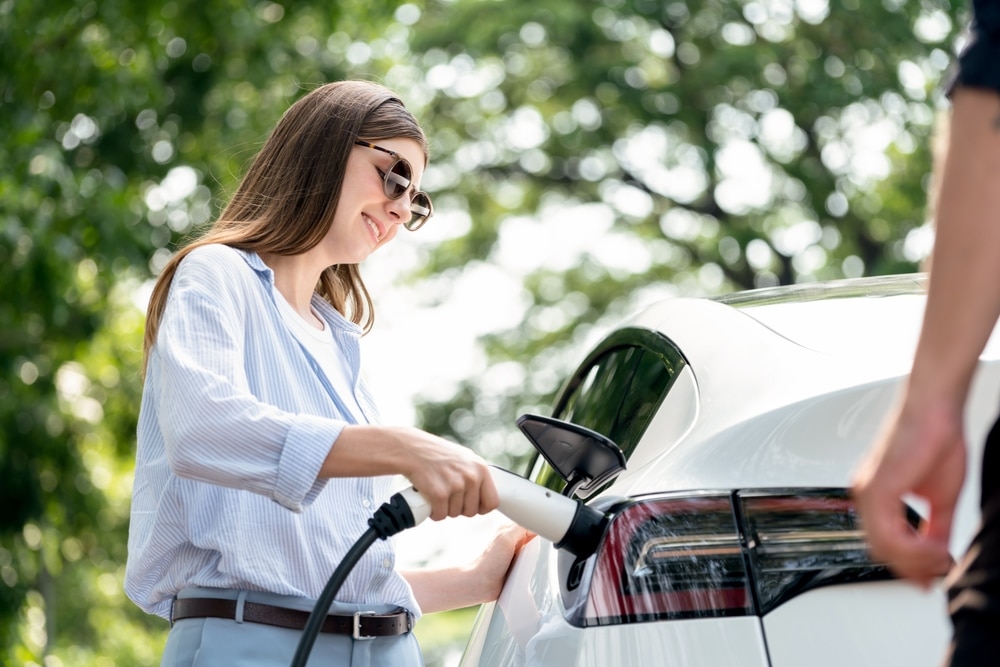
<point>979,63</point>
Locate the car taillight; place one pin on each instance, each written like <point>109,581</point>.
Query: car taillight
<point>797,542</point>
<point>672,557</point>
<point>725,554</point>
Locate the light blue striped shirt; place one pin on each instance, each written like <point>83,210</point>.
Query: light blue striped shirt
<point>236,420</point>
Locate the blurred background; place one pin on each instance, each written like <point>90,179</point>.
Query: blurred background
<point>587,158</point>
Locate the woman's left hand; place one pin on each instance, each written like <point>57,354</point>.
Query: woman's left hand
<point>479,582</point>
<point>493,565</point>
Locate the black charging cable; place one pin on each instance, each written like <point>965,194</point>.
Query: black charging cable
<point>392,517</point>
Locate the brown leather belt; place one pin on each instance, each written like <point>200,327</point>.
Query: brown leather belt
<point>360,625</point>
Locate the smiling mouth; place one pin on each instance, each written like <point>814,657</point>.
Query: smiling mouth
<point>373,227</point>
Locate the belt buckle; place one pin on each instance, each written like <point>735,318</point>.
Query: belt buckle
<point>356,633</point>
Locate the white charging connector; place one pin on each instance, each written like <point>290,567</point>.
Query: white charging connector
<point>566,522</point>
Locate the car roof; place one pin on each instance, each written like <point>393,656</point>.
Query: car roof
<point>914,283</point>
<point>881,315</point>
<point>855,317</point>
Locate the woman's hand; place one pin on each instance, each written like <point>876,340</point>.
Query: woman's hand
<point>477,583</point>
<point>451,478</point>
<point>492,566</point>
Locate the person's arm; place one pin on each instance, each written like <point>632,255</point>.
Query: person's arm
<point>921,448</point>
<point>197,395</point>
<point>216,430</point>
<point>963,299</point>
<point>480,582</point>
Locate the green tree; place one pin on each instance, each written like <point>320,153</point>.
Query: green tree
<point>724,144</point>
<point>123,125</point>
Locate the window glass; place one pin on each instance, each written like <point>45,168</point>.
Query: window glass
<point>616,391</point>
<point>596,402</point>
<point>651,379</point>
<point>593,401</point>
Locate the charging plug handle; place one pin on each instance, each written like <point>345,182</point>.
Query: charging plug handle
<point>566,522</point>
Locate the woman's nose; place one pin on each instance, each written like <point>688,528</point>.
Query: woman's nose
<point>399,209</point>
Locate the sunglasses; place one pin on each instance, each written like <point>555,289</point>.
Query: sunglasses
<point>396,181</point>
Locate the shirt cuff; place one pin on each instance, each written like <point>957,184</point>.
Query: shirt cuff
<point>306,447</point>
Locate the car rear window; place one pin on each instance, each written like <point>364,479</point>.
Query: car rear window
<point>616,391</point>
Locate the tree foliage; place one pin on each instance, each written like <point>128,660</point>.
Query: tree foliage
<point>704,146</point>
<point>724,145</point>
<point>123,124</point>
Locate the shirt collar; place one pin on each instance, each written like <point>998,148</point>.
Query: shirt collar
<point>257,264</point>
<point>328,312</point>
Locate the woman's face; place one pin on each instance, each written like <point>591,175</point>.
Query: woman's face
<point>366,218</point>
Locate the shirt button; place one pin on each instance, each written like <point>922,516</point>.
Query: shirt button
<point>387,563</point>
<point>366,502</point>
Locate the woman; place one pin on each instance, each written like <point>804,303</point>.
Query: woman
<point>260,458</point>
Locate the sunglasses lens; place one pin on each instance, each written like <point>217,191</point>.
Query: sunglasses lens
<point>397,179</point>
<point>420,210</point>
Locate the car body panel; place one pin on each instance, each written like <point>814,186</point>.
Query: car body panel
<point>783,388</point>
<point>792,416</point>
<point>836,623</point>
<point>525,627</point>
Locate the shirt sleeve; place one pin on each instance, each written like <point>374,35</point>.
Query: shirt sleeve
<point>978,65</point>
<point>214,428</point>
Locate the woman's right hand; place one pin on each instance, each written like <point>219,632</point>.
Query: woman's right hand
<point>453,479</point>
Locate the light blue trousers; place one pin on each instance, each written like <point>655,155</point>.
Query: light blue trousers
<point>219,642</point>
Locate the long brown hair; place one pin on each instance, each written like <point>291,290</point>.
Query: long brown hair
<point>285,203</point>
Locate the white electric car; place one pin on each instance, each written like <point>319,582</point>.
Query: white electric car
<point>732,540</point>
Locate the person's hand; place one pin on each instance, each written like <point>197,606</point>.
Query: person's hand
<point>476,583</point>
<point>493,565</point>
<point>920,451</point>
<point>453,479</point>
